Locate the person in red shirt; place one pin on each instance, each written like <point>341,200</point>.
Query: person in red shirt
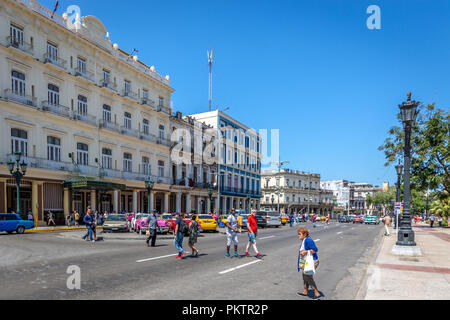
<point>252,229</point>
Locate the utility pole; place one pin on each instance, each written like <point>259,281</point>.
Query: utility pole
<point>210,62</point>
<point>279,164</point>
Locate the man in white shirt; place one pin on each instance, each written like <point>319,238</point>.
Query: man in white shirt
<point>232,231</point>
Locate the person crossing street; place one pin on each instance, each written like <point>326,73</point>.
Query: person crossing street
<point>252,230</point>
<point>152,222</point>
<point>232,231</point>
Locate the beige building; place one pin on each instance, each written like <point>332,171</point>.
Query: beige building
<point>91,121</point>
<point>295,192</point>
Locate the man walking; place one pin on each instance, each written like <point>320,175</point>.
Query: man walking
<point>387,223</point>
<point>152,222</point>
<point>77,219</point>
<point>88,221</point>
<point>432,220</point>
<point>50,219</point>
<point>252,230</point>
<point>291,220</point>
<point>178,235</point>
<point>231,229</point>
<point>30,216</point>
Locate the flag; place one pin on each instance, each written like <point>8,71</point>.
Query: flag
<point>56,7</point>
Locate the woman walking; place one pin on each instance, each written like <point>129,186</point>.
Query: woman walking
<point>307,246</point>
<point>193,233</point>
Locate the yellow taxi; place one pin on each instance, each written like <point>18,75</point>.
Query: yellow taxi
<point>283,220</point>
<point>223,219</point>
<point>208,222</point>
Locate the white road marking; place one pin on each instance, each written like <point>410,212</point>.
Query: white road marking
<point>238,267</point>
<point>339,232</point>
<point>162,257</point>
<point>317,240</point>
<point>266,238</point>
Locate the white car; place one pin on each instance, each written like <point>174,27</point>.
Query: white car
<point>133,220</point>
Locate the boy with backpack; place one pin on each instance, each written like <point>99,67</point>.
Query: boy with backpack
<point>181,229</point>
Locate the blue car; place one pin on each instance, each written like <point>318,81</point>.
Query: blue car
<point>10,222</point>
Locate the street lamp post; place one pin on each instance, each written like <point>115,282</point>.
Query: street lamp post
<point>17,170</point>
<point>210,194</point>
<point>409,113</point>
<point>399,169</point>
<point>273,200</point>
<point>149,184</point>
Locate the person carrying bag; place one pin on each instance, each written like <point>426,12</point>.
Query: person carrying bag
<point>308,262</point>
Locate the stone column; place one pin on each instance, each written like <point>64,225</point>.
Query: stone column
<point>135,193</point>
<point>217,205</point>
<point>188,203</point>
<point>178,202</point>
<point>166,202</point>
<point>93,200</point>
<point>3,199</point>
<point>116,200</point>
<point>66,201</point>
<point>34,198</point>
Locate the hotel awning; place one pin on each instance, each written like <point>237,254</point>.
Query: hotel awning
<point>94,185</point>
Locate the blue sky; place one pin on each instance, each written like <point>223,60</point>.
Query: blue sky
<point>309,68</point>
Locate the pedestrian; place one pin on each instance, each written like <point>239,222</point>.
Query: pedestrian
<point>440,221</point>
<point>193,234</point>
<point>314,221</point>
<point>432,220</point>
<point>179,235</point>
<point>88,222</point>
<point>76,217</point>
<point>252,230</point>
<point>50,218</point>
<point>231,230</point>
<point>30,216</point>
<point>152,224</point>
<point>291,220</point>
<point>94,229</point>
<point>239,220</point>
<point>68,220</point>
<point>387,223</point>
<point>306,246</point>
<point>328,219</point>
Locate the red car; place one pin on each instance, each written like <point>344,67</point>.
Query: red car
<point>358,219</point>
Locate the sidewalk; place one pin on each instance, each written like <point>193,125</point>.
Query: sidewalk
<point>392,277</point>
<point>58,228</point>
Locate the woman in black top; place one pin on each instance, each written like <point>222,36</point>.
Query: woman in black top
<point>193,233</point>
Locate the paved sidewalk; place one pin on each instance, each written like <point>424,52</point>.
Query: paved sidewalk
<point>57,228</point>
<point>392,277</point>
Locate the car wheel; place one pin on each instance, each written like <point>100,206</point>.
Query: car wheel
<point>20,230</point>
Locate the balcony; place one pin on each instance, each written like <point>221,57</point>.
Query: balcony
<point>56,109</point>
<point>163,141</point>
<point>109,125</point>
<point>148,102</point>
<point>87,118</point>
<point>20,98</point>
<point>164,109</point>
<point>130,94</point>
<point>147,136</point>
<point>108,84</point>
<point>88,75</point>
<point>130,132</point>
<point>20,44</point>
<point>55,61</point>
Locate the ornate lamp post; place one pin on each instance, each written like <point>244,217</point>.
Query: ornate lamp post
<point>210,194</point>
<point>399,169</point>
<point>409,113</point>
<point>17,170</point>
<point>273,200</point>
<point>149,184</point>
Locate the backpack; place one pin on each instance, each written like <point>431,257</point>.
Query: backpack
<point>183,228</point>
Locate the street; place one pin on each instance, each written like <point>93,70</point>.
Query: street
<point>121,266</point>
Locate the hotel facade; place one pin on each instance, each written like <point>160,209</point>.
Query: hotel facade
<point>91,121</point>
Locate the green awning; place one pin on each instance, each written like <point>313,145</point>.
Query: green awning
<point>94,185</point>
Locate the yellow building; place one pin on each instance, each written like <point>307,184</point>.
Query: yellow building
<point>91,121</point>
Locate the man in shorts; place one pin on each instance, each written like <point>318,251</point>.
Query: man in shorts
<point>232,231</point>
<point>252,229</point>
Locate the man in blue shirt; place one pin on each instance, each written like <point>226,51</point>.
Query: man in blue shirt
<point>178,235</point>
<point>89,222</point>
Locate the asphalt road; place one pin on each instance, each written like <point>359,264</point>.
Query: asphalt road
<point>34,266</point>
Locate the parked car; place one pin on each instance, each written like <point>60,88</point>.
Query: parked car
<point>273,219</point>
<point>244,220</point>
<point>207,222</point>
<point>116,222</point>
<point>10,223</point>
<point>222,220</point>
<point>284,219</point>
<point>372,220</point>
<point>358,219</point>
<point>134,219</point>
<point>261,222</point>
<point>142,226</point>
